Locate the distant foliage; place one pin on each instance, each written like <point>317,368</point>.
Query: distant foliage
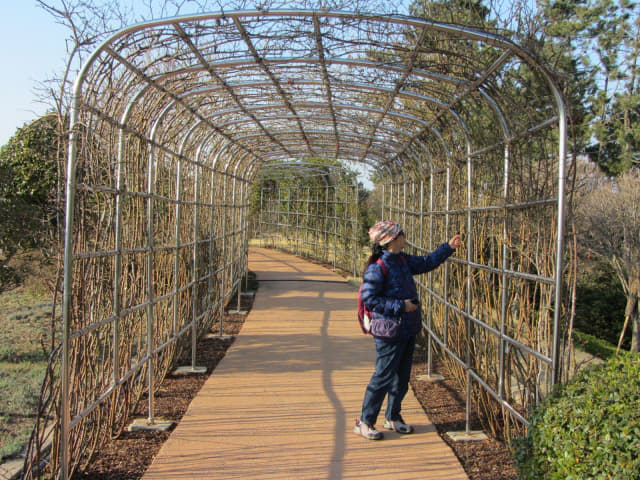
<point>601,303</point>
<point>28,176</point>
<point>590,428</point>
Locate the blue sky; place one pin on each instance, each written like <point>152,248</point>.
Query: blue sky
<point>33,49</point>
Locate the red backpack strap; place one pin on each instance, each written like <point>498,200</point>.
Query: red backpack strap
<point>383,267</point>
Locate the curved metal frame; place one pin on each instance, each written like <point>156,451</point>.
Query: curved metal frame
<point>189,122</point>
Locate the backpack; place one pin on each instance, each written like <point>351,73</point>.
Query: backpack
<point>364,315</point>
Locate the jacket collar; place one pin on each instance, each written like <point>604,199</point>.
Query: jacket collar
<point>386,256</point>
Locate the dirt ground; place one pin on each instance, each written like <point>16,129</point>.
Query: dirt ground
<point>131,453</point>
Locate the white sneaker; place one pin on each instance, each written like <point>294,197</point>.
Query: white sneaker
<point>367,431</point>
<point>398,425</point>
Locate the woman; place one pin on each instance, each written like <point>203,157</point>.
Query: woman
<point>389,292</point>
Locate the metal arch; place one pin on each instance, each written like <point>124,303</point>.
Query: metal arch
<point>299,154</point>
<point>401,93</point>
<point>349,107</point>
<point>317,132</point>
<point>179,100</point>
<point>346,134</point>
<point>347,62</point>
<point>491,39</point>
<point>219,130</point>
<point>388,169</point>
<point>464,32</point>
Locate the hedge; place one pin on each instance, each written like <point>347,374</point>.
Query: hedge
<point>587,429</point>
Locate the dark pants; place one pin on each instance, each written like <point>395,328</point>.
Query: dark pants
<point>393,369</point>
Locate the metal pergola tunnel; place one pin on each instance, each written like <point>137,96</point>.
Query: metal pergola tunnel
<point>191,136</point>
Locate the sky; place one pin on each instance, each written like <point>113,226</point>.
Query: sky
<point>32,50</point>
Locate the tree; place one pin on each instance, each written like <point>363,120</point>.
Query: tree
<point>27,187</point>
<point>608,216</point>
<point>615,43</point>
<point>602,37</point>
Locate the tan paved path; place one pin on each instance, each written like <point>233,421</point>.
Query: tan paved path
<point>283,401</point>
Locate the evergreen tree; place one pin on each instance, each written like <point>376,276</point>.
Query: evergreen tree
<point>28,176</point>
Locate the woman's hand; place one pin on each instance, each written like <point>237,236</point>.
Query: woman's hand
<point>409,306</point>
<point>455,241</point>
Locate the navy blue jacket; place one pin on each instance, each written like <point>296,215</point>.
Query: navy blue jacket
<point>384,295</point>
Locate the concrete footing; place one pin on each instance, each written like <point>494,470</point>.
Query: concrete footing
<point>144,424</point>
<point>226,338</point>
<point>189,370</point>
<point>237,312</point>
<point>434,377</point>
<point>472,436</point>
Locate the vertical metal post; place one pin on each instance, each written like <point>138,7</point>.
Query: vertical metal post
<point>505,278</point>
<point>562,153</point>
<point>430,318</point>
<point>117,266</point>
<point>336,242</point>
<point>307,223</point>
<point>297,204</point>
<point>211,264</point>
<point>469,327</point>
<point>224,251</point>
<point>176,258</point>
<point>446,265</point>
<point>150,292</point>
<point>194,273</point>
<point>65,373</point>
<point>382,202</point>
<point>246,198</point>
<point>240,242</point>
<point>151,173</point>
<point>278,212</point>
<point>288,216</point>
<point>356,229</point>
<point>325,224</point>
<point>232,242</point>
<point>260,221</point>
<point>404,203</point>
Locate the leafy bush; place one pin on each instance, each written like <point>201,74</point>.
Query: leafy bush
<point>28,178</point>
<point>590,428</point>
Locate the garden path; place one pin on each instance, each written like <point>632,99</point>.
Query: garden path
<point>283,401</point>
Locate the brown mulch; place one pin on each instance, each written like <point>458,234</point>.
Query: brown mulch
<point>128,456</point>
<point>444,403</point>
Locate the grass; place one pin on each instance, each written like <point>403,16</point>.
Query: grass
<point>593,345</point>
<point>25,316</point>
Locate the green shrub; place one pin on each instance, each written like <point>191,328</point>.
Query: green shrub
<point>588,429</point>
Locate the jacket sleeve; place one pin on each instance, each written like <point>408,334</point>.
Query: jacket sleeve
<point>419,264</point>
<point>373,294</point>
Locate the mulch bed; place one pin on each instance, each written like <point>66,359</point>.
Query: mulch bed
<point>129,456</point>
<point>444,403</point>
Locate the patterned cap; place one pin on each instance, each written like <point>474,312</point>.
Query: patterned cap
<point>384,232</point>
